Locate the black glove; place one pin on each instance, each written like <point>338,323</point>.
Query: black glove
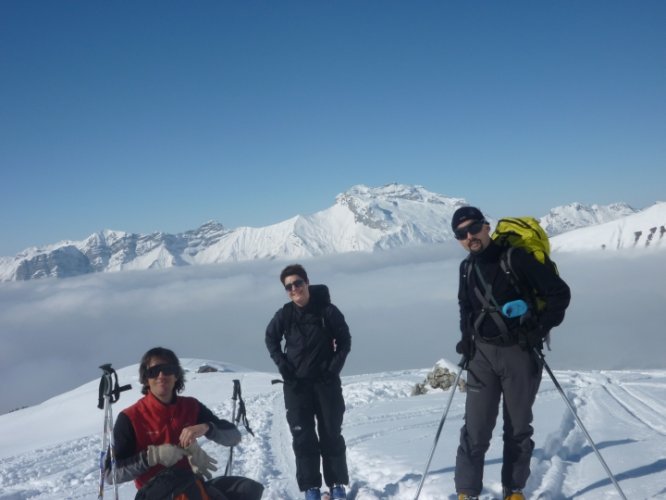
<point>465,347</point>
<point>529,338</point>
<point>536,337</point>
<point>335,366</point>
<point>286,369</point>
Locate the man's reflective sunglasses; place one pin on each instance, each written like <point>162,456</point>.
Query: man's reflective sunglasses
<point>472,229</point>
<point>166,369</point>
<point>294,284</point>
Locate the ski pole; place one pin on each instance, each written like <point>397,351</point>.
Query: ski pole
<point>236,418</point>
<point>580,423</point>
<point>235,396</point>
<point>463,365</point>
<point>109,393</point>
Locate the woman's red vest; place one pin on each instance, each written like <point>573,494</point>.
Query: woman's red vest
<point>157,423</point>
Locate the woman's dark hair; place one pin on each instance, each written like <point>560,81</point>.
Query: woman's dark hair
<point>169,357</point>
<point>296,269</point>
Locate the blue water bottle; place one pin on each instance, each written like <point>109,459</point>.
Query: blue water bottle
<point>514,309</point>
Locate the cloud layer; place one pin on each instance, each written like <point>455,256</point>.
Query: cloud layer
<point>401,307</point>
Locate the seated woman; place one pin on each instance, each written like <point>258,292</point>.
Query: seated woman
<point>160,431</point>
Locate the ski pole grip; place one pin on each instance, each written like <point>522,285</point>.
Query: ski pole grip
<point>237,389</point>
<point>106,368</point>
<point>103,390</point>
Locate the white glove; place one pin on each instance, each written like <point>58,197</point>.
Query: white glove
<point>164,454</point>
<point>201,462</point>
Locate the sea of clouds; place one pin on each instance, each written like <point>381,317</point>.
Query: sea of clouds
<point>401,307</point>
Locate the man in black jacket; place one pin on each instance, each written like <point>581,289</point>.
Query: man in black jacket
<point>317,342</point>
<point>499,353</point>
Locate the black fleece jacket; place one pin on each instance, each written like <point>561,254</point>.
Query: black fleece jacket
<point>317,339</point>
<point>532,276</point>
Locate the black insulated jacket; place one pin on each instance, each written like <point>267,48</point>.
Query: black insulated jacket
<point>316,338</point>
<point>531,274</point>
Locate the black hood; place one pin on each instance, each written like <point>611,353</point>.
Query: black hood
<point>319,296</point>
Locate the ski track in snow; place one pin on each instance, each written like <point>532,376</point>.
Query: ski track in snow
<point>639,405</point>
<point>70,470</point>
<point>551,461</point>
<point>275,447</point>
<point>389,434</point>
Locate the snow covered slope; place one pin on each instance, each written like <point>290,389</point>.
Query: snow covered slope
<point>645,230</point>
<point>50,451</point>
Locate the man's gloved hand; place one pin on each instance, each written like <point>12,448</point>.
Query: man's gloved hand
<point>529,338</point>
<point>465,347</point>
<point>201,462</point>
<point>286,369</point>
<point>536,336</point>
<point>164,454</point>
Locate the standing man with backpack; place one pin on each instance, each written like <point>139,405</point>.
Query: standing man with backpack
<point>497,346</point>
<point>317,342</point>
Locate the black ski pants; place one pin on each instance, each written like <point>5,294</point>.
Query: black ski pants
<point>315,411</point>
<point>495,372</point>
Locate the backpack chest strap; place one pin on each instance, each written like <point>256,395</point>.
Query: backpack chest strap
<point>489,307</point>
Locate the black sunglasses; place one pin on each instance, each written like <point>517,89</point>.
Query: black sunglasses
<point>472,229</point>
<point>294,284</point>
<point>166,369</point>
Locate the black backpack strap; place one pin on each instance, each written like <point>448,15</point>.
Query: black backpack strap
<point>525,292</point>
<point>321,297</point>
<point>287,317</point>
<point>489,306</point>
<point>507,269</point>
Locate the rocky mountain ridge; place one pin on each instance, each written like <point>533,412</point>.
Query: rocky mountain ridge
<point>362,219</point>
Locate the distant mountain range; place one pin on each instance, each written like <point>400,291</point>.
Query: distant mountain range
<point>362,219</point>
<point>644,230</point>
<point>575,215</point>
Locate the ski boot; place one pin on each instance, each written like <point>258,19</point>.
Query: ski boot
<point>313,494</point>
<point>338,492</point>
<point>462,496</point>
<point>512,494</point>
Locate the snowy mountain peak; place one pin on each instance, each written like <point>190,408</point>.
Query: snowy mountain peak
<point>210,227</point>
<point>574,215</point>
<point>393,192</point>
<point>362,219</point>
<point>384,207</point>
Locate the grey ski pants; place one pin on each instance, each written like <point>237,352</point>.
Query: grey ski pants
<point>494,372</point>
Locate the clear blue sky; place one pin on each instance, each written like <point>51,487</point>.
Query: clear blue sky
<point>159,115</point>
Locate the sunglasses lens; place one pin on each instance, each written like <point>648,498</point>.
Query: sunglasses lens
<point>295,284</point>
<point>154,371</point>
<point>473,228</point>
<point>476,227</point>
